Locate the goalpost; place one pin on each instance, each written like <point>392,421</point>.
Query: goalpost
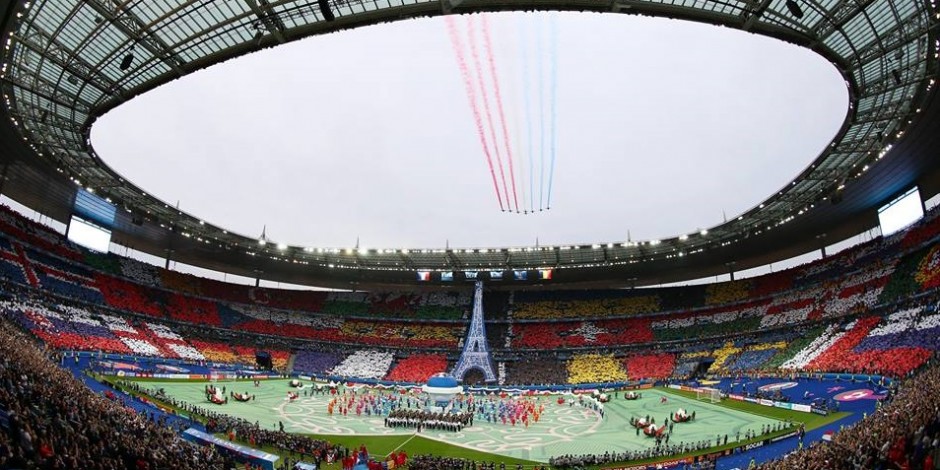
<point>708,394</point>
<point>218,377</point>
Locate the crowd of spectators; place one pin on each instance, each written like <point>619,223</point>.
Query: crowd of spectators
<point>78,328</point>
<point>417,368</point>
<point>55,421</point>
<point>595,368</point>
<point>650,366</point>
<point>546,370</point>
<point>314,362</point>
<point>434,462</point>
<point>364,364</point>
<point>904,432</point>
<point>238,429</point>
<point>35,234</point>
<point>895,348</point>
<point>723,293</point>
<point>662,449</point>
<point>575,334</point>
<point>584,304</point>
<point>851,291</point>
<point>870,344</point>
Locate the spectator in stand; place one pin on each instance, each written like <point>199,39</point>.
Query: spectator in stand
<point>904,433</point>
<point>56,422</point>
<point>417,368</point>
<point>595,368</point>
<point>545,370</point>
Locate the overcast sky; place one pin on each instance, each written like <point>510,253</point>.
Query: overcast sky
<point>662,126</point>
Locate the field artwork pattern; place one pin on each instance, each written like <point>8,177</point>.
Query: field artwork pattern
<point>561,429</point>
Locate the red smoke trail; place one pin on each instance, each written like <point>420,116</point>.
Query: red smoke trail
<point>486,102</point>
<point>487,42</point>
<point>471,96</point>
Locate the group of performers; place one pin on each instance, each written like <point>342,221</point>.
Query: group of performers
<point>511,411</point>
<point>429,420</point>
<point>362,457</point>
<point>649,427</point>
<point>682,416</point>
<point>377,403</point>
<point>217,395</point>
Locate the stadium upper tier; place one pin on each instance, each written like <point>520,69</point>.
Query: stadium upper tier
<point>68,62</point>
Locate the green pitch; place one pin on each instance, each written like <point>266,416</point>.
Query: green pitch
<point>561,429</point>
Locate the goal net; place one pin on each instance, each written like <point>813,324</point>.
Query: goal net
<point>217,376</point>
<point>708,394</point>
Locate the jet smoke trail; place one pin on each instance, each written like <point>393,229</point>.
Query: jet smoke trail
<point>526,75</point>
<point>486,103</point>
<point>488,47</point>
<point>553,93</point>
<point>471,96</point>
<point>539,54</point>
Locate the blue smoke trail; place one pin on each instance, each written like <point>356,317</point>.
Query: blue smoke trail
<point>553,78</point>
<point>523,46</point>
<point>539,54</point>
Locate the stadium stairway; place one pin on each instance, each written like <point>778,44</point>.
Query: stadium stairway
<point>290,363</point>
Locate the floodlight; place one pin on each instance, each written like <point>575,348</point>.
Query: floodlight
<point>795,9</point>
<point>127,61</point>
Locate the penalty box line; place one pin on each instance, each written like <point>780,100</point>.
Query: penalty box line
<point>722,405</point>
<point>402,444</point>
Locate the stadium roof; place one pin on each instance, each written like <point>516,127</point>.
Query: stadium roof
<point>68,62</point>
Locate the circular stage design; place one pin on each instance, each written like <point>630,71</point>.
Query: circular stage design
<point>777,386</point>
<point>860,394</point>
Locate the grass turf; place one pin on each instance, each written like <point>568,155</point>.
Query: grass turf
<point>595,440</point>
<point>810,420</point>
